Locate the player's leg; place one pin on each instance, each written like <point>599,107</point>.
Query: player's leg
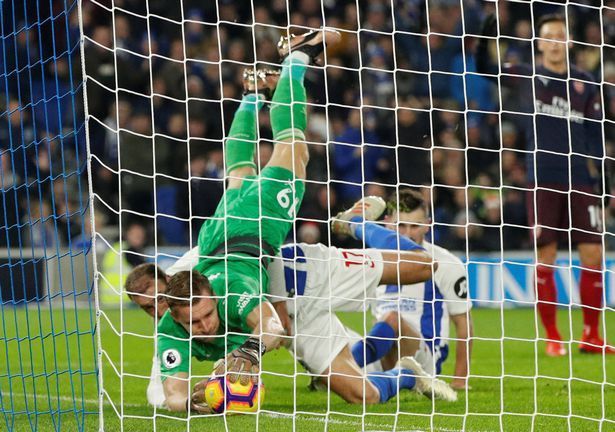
<point>546,297</point>
<point>587,234</point>
<point>346,379</point>
<point>591,287</point>
<point>405,262</point>
<point>273,199</point>
<point>239,208</point>
<point>410,343</point>
<point>243,135</point>
<point>547,210</point>
<point>322,345</point>
<point>288,108</point>
<point>388,340</point>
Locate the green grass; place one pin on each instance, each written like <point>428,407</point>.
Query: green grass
<point>47,382</point>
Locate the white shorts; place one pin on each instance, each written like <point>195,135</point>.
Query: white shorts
<point>323,280</point>
<point>319,336</point>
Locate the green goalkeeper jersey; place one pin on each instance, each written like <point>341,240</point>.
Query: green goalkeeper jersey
<point>262,210</point>
<point>175,346</point>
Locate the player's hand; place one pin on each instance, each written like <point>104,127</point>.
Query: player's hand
<point>460,384</point>
<point>197,399</point>
<point>282,311</point>
<point>243,363</point>
<point>489,26</point>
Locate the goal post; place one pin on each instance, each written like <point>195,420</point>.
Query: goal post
<point>48,365</point>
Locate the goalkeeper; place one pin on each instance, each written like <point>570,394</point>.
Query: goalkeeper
<point>564,169</point>
<point>246,231</point>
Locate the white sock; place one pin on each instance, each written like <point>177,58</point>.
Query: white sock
<point>300,56</point>
<point>155,391</point>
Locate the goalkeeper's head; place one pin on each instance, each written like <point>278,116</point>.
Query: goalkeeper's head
<point>553,34</point>
<point>145,285</point>
<point>408,212</point>
<point>193,304</point>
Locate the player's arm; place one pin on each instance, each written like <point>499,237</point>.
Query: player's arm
<point>176,391</point>
<point>282,311</point>
<point>263,322</point>
<point>405,262</point>
<point>594,141</point>
<point>174,355</point>
<point>266,323</point>
<point>465,331</point>
<point>452,281</point>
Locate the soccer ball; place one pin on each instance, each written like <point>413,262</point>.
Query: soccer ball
<point>222,395</point>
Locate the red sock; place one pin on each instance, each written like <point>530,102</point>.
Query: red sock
<point>546,292</point>
<point>591,288</point>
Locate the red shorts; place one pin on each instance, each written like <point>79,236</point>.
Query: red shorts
<point>555,208</point>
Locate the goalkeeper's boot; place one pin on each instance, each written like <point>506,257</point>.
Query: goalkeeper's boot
<point>370,208</point>
<point>593,344</point>
<point>262,81</point>
<point>311,43</point>
<point>556,349</point>
<point>433,388</point>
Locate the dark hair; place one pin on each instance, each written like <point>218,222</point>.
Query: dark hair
<point>134,284</point>
<point>553,17</point>
<point>187,287</point>
<point>409,200</point>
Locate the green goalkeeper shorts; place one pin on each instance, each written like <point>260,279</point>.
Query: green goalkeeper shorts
<point>264,207</point>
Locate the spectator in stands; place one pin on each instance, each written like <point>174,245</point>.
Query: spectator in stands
<point>39,231</point>
<point>413,149</point>
<point>324,205</point>
<point>356,158</point>
<point>468,89</point>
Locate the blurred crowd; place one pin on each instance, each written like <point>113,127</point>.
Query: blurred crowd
<point>390,109</point>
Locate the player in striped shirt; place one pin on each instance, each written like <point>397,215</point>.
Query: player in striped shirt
<point>429,306</point>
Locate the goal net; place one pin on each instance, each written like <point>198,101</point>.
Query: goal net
<point>48,365</point>
<point>499,115</point>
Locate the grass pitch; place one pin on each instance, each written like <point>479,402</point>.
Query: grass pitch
<point>48,381</point>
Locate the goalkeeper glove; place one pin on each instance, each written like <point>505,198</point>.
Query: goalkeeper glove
<point>243,362</point>
<point>196,402</point>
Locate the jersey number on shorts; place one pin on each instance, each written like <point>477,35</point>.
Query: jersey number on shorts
<point>352,258</point>
<point>284,199</point>
<point>595,217</point>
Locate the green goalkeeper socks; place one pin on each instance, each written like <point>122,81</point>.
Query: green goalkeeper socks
<point>288,107</point>
<point>241,142</point>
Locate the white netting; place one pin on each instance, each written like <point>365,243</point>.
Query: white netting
<point>493,126</point>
